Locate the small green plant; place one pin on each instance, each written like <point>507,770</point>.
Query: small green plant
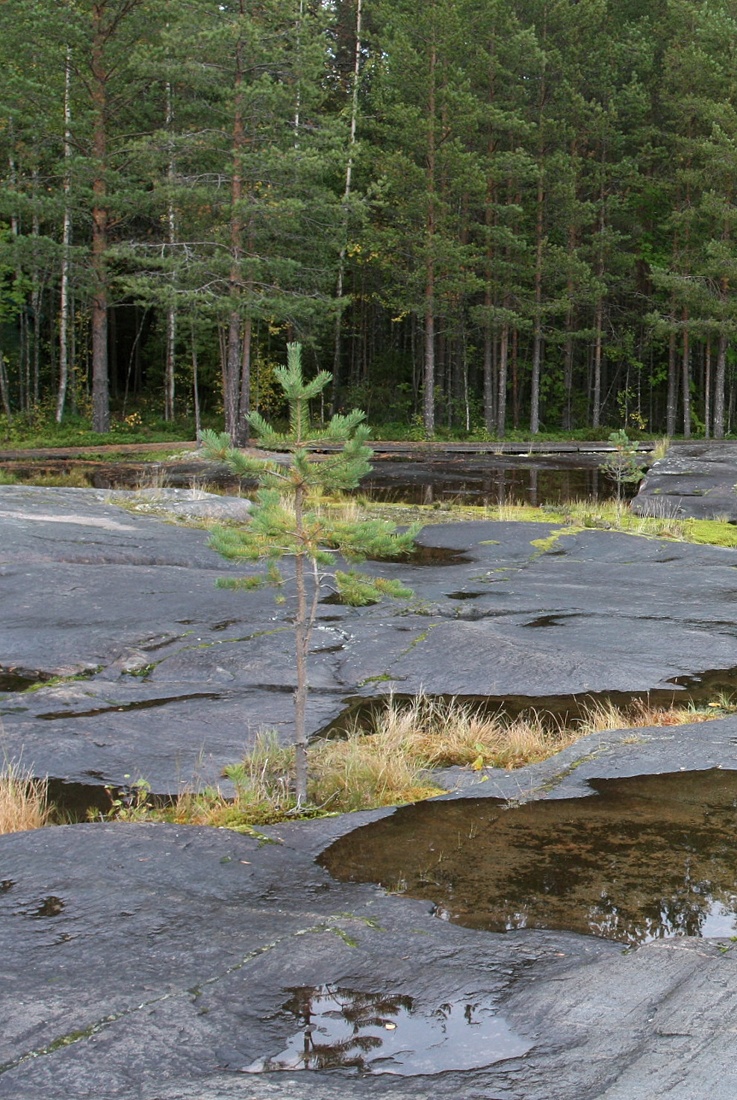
<point>622,466</point>
<point>131,802</point>
<point>288,522</point>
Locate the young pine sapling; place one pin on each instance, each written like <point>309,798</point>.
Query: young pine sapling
<point>286,523</point>
<point>622,465</point>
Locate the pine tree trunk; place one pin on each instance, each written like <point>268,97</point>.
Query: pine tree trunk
<point>489,419</point>
<point>99,320</point>
<point>686,378</point>
<point>719,384</point>
<point>501,405</point>
<point>4,388</point>
<point>66,243</point>
<point>429,357</point>
<point>301,631</point>
<point>707,390</point>
<point>234,351</point>
<point>596,398</point>
<point>537,338</point>
<point>337,339</point>
<point>171,312</point>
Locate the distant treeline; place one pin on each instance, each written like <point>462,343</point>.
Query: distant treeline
<point>478,214</point>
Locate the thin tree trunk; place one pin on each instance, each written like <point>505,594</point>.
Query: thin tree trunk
<point>234,350</point>
<point>36,294</point>
<point>537,338</point>
<point>4,388</point>
<point>489,418</point>
<point>66,243</point>
<point>15,229</point>
<point>672,395</point>
<point>490,219</point>
<point>195,386</point>
<point>501,404</point>
<point>430,229</point>
<point>567,417</point>
<point>347,189</point>
<point>596,397</point>
<point>244,403</point>
<point>686,378</point>
<point>171,311</point>
<point>707,389</point>
<point>99,320</point>
<point>719,383</point>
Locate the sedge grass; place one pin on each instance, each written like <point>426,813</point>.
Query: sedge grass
<point>23,801</point>
<point>394,760</point>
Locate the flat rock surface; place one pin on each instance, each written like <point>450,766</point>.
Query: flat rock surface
<point>160,963</point>
<point>178,676</point>
<point>155,962</point>
<point>694,479</point>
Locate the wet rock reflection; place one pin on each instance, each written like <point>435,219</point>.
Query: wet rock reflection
<point>647,857</point>
<point>379,1033</point>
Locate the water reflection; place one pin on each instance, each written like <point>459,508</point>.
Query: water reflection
<point>471,478</point>
<point>490,480</point>
<point>649,857</point>
<point>379,1033</point>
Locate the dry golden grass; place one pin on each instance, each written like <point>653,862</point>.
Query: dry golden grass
<point>23,801</point>
<point>429,733</point>
<point>393,761</point>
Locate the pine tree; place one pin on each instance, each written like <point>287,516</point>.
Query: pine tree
<point>286,523</point>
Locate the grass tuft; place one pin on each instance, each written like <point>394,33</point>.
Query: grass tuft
<point>393,761</point>
<point>23,801</point>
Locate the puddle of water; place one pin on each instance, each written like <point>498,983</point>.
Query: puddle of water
<point>550,709</point>
<point>12,679</point>
<point>138,704</point>
<point>437,555</point>
<point>648,857</point>
<point>463,595</point>
<point>493,481</point>
<point>545,620</point>
<point>79,802</point>
<point>74,802</point>
<point>378,1033</point>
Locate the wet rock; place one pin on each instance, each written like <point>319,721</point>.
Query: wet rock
<point>178,676</point>
<point>175,962</point>
<point>151,960</point>
<point>694,479</point>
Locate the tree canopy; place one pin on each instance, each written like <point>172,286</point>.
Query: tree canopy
<point>479,217</point>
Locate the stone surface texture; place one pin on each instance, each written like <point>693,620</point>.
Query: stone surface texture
<point>694,479</point>
<point>153,962</point>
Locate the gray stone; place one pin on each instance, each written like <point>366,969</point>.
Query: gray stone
<point>154,962</point>
<point>694,479</point>
<point>179,676</point>
<point>165,965</point>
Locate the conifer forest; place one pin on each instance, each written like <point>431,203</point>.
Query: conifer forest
<point>481,216</point>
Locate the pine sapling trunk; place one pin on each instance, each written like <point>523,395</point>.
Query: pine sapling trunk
<point>302,636</point>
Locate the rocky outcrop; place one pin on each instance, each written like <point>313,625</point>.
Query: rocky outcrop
<point>177,676</point>
<point>155,961</point>
<point>694,479</point>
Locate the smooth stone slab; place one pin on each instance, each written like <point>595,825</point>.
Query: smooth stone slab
<point>181,675</point>
<point>159,961</point>
<point>694,479</point>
